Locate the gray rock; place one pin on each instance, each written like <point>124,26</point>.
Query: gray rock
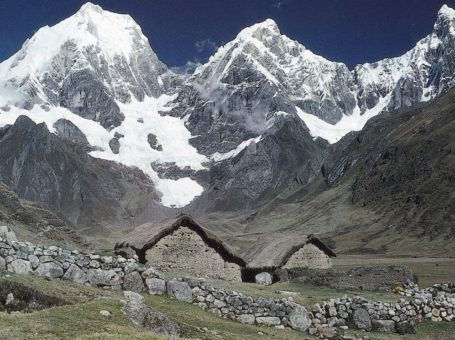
<point>180,290</point>
<point>156,286</point>
<point>49,269</point>
<point>20,267</point>
<point>246,318</point>
<point>114,144</point>
<point>152,273</point>
<point>146,317</point>
<point>9,299</point>
<point>75,274</point>
<point>34,261</point>
<point>159,323</point>
<point>7,234</point>
<point>67,130</point>
<point>362,319</point>
<point>268,320</point>
<point>2,263</point>
<point>105,313</point>
<point>263,279</point>
<point>383,325</point>
<point>133,282</point>
<point>99,277</point>
<point>299,318</point>
<point>153,142</point>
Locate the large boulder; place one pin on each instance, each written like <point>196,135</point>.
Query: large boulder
<point>133,282</point>
<point>268,320</point>
<point>263,279</point>
<point>156,286</point>
<point>180,290</point>
<point>159,323</point>
<point>99,277</point>
<point>49,269</point>
<point>246,318</point>
<point>20,267</point>
<point>142,315</point>
<point>75,274</point>
<point>361,319</point>
<point>7,234</point>
<point>299,318</point>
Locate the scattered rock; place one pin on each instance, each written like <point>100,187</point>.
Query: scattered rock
<point>105,313</point>
<point>9,299</point>
<point>263,279</point>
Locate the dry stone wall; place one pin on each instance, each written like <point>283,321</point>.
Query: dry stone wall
<point>330,317</point>
<point>309,257</point>
<point>185,251</point>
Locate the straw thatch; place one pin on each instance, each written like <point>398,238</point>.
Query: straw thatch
<point>274,250</point>
<point>147,235</point>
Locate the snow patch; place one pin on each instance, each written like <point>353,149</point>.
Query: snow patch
<point>334,132</point>
<point>134,150</point>
<point>217,156</point>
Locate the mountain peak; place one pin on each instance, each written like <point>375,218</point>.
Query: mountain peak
<point>266,27</point>
<point>90,7</point>
<point>446,12</point>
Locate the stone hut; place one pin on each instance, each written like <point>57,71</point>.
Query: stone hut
<point>182,245</point>
<point>286,251</point>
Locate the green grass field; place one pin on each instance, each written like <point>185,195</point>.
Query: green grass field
<point>80,318</point>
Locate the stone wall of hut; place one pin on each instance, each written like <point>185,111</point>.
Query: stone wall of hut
<point>310,257</point>
<point>184,251</point>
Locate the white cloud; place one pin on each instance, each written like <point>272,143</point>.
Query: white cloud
<point>205,45</point>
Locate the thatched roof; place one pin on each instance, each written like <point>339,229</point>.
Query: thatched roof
<point>274,250</point>
<point>148,234</point>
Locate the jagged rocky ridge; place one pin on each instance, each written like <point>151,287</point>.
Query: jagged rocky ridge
<point>248,119</point>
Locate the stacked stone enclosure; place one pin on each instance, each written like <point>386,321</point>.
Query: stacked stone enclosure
<point>184,251</point>
<point>183,246</point>
<point>309,257</point>
<point>278,254</point>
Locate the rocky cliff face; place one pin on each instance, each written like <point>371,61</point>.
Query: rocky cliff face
<point>41,167</point>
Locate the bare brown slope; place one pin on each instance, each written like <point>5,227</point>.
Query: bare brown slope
<point>388,189</point>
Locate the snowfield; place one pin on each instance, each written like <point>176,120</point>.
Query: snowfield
<point>134,150</point>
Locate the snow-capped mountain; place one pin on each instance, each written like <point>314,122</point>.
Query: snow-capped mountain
<point>241,127</point>
<point>97,71</point>
<point>85,63</point>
